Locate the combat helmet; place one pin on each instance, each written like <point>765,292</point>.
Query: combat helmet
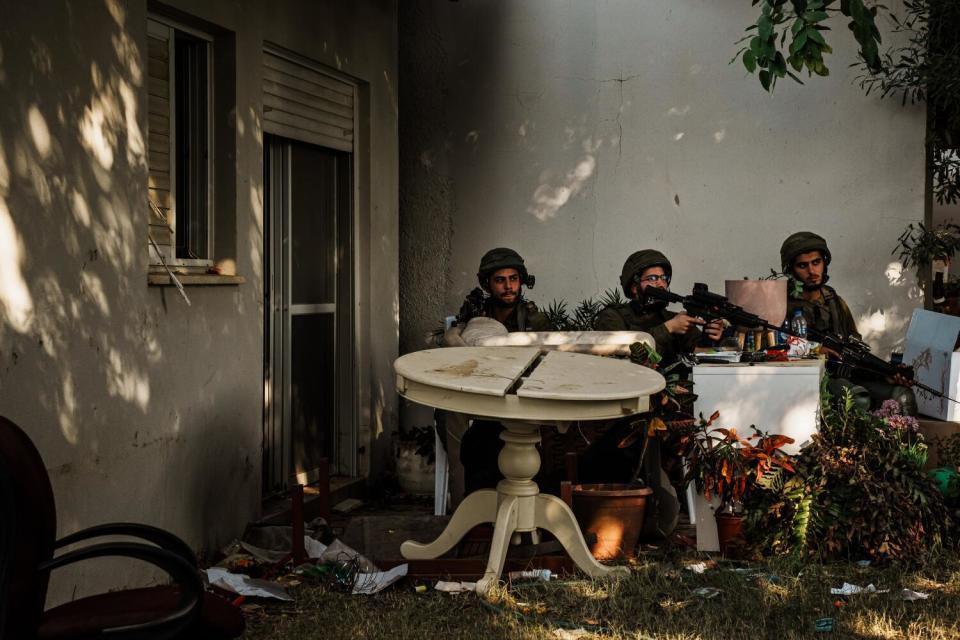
<point>638,262</point>
<point>799,243</point>
<point>502,258</point>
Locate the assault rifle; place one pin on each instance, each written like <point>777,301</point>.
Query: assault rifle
<point>472,307</point>
<point>852,354</point>
<point>703,303</point>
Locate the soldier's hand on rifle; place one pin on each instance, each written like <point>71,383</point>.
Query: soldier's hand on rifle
<point>830,353</point>
<point>682,323</point>
<point>900,379</point>
<point>714,329</point>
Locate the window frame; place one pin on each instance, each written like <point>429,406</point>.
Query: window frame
<point>156,24</point>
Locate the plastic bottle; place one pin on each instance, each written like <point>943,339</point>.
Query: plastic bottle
<point>782,333</point>
<point>798,324</point>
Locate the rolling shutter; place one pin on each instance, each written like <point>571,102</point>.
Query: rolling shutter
<point>159,137</point>
<point>305,104</point>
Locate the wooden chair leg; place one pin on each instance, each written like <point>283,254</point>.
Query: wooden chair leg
<point>296,516</point>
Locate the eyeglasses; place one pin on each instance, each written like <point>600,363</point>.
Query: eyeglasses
<point>656,278</point>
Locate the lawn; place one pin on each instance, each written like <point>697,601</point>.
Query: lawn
<point>776,599</point>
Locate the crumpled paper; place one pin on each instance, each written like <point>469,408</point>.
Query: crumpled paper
<point>455,587</point>
<point>244,585</point>
<point>370,583</point>
<point>909,595</point>
<point>852,589</point>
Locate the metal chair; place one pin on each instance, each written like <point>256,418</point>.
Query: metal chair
<point>27,547</point>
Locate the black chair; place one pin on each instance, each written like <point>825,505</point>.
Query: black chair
<point>28,524</point>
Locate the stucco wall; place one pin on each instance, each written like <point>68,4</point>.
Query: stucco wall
<point>578,132</point>
<point>145,409</point>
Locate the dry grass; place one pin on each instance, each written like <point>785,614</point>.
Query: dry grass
<point>773,600</point>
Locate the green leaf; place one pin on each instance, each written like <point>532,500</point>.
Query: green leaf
<point>756,47</point>
<point>797,26</point>
<point>798,42</point>
<point>794,77</point>
<point>749,61</point>
<point>765,79</point>
<point>814,36</point>
<point>815,16</point>
<point>764,27</point>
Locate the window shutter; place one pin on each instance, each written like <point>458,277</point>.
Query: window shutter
<point>305,104</point>
<point>160,187</point>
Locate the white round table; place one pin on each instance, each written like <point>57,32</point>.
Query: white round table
<point>524,390</point>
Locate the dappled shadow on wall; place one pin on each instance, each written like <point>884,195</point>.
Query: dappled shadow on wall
<point>78,323</point>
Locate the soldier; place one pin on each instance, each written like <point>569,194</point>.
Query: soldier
<point>502,275</point>
<point>805,258</point>
<point>674,333</point>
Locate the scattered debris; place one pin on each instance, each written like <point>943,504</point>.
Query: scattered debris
<point>698,567</point>
<point>370,583</point>
<point>455,587</point>
<point>863,564</point>
<point>823,625</point>
<point>244,585</point>
<point>533,574</point>
<point>572,634</point>
<point>339,553</point>
<point>910,596</point>
<point>852,589</point>
<point>705,593</point>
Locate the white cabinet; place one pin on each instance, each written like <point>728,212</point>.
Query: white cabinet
<point>777,397</point>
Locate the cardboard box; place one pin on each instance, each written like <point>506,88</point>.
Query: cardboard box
<point>931,339</point>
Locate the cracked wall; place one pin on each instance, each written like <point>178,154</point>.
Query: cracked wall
<point>578,132</point>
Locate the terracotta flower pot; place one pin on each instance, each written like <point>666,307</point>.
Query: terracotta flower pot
<point>612,512</point>
<point>765,298</point>
<point>730,534</point>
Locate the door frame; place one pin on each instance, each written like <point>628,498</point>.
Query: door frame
<point>278,311</point>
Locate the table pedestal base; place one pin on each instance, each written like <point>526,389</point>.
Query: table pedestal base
<point>515,506</point>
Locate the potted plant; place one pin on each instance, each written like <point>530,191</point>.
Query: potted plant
<point>646,504</point>
<point>725,465</point>
<point>920,248</point>
<point>859,491</point>
<point>416,460</point>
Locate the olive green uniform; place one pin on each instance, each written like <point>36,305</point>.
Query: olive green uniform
<point>633,317</point>
<point>524,317</point>
<point>829,313</point>
<point>480,444</point>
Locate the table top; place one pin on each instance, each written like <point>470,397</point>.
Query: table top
<point>519,383</point>
<point>602,343</point>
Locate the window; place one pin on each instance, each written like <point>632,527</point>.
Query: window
<point>180,144</point>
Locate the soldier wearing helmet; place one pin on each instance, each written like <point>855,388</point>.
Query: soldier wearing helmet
<point>502,275</point>
<point>805,259</point>
<point>674,333</point>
